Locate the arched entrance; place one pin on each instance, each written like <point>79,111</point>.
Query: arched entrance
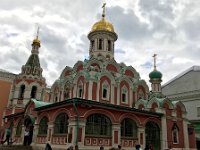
<point>28,126</point>
<point>152,135</point>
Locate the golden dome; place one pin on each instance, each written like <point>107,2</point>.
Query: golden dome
<point>36,41</point>
<point>103,25</point>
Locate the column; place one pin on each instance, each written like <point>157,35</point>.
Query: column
<point>35,133</point>
<point>164,143</point>
<point>116,135</point>
<point>49,131</point>
<point>185,132</point>
<point>141,137</point>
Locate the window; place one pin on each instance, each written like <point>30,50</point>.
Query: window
<point>98,125</point>
<point>80,90</point>
<point>105,90</point>
<point>22,90</point>
<point>140,95</point>
<point>92,44</point>
<point>33,92</point>
<point>175,134</point>
<point>104,93</point>
<point>124,96</point>
<point>100,46</point>
<point>19,128</point>
<point>198,111</point>
<point>109,45</point>
<point>61,124</point>
<point>43,126</point>
<point>128,128</point>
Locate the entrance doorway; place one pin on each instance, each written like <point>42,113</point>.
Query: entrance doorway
<point>152,135</point>
<point>29,125</point>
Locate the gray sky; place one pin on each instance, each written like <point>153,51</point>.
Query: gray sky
<point>169,28</point>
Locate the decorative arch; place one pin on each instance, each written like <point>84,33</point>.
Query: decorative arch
<point>62,110</point>
<point>131,72</point>
<point>78,66</point>
<point>130,116</point>
<point>108,75</point>
<point>66,72</point>
<point>94,61</point>
<point>100,111</point>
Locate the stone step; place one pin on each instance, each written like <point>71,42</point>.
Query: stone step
<point>15,147</point>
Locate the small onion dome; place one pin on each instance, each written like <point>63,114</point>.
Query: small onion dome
<point>103,25</point>
<point>155,75</point>
<point>36,41</point>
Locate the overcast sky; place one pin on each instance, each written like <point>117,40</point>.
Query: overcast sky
<point>169,28</point>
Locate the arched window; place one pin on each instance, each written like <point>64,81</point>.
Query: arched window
<point>19,128</point>
<point>175,134</point>
<point>105,91</point>
<point>21,92</point>
<point>43,126</point>
<point>109,45</point>
<point>128,128</point>
<point>33,92</point>
<point>61,124</point>
<point>98,124</point>
<point>124,95</point>
<point>92,44</point>
<point>80,90</point>
<point>100,46</point>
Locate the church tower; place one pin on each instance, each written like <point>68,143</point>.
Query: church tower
<point>29,83</point>
<point>102,38</point>
<point>155,78</point>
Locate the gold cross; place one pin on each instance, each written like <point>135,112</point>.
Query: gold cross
<point>104,5</point>
<point>154,56</point>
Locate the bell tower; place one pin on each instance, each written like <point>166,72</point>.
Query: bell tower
<point>29,83</point>
<point>102,38</point>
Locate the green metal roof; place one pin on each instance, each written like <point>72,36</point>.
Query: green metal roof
<point>39,103</point>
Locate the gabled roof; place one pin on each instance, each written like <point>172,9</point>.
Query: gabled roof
<point>193,68</point>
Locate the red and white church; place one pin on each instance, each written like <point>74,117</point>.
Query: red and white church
<point>97,102</point>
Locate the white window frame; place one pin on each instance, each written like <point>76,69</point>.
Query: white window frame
<point>175,133</point>
<point>80,87</point>
<point>106,86</point>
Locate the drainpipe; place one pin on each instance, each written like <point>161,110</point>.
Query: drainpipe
<point>77,122</point>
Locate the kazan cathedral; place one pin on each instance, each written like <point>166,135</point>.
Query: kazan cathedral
<point>97,102</point>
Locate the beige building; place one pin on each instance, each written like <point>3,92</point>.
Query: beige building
<point>185,87</point>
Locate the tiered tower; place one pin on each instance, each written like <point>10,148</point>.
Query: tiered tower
<point>29,83</point>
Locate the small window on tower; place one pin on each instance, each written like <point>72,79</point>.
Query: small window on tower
<point>80,93</point>
<point>100,44</point>
<point>109,45</point>
<point>22,90</point>
<point>92,44</point>
<point>33,92</point>
<point>104,93</point>
<point>123,97</point>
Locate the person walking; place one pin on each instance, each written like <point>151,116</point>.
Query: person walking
<point>8,132</point>
<point>26,137</point>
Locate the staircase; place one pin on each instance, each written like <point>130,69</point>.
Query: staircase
<point>15,147</point>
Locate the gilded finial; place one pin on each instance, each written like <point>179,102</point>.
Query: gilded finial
<point>36,40</point>
<point>154,56</point>
<point>104,10</point>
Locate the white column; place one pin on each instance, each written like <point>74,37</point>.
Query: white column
<point>130,97</point>
<point>90,90</point>
<point>112,93</point>
<point>118,95</point>
<point>142,143</point>
<point>185,132</point>
<point>98,88</point>
<point>35,133</point>
<point>164,143</point>
<point>116,127</point>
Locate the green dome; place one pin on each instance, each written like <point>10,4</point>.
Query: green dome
<point>155,75</point>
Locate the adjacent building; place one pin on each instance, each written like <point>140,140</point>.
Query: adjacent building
<point>185,87</point>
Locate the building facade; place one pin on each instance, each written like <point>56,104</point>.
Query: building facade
<point>185,87</point>
<point>97,102</point>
